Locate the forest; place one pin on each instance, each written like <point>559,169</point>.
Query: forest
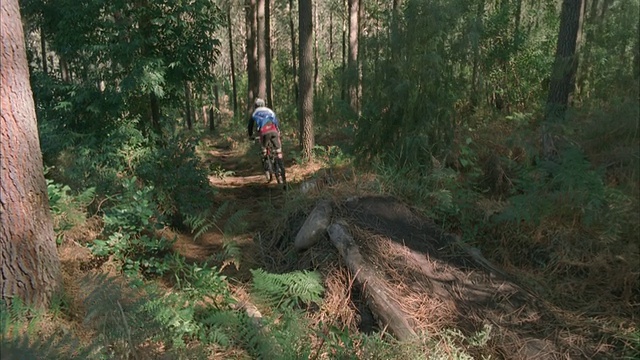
<point>462,179</point>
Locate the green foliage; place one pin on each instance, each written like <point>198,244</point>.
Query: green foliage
<point>287,291</point>
<point>332,155</point>
<point>220,172</point>
<point>570,189</point>
<point>67,210</point>
<point>434,190</point>
<point>130,225</point>
<point>181,182</point>
<point>205,221</point>
<point>197,310</point>
<point>20,337</point>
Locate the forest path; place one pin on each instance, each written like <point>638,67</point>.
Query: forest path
<point>236,175</point>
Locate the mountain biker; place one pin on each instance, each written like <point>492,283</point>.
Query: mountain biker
<point>266,123</point>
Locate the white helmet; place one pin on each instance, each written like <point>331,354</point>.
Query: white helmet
<point>259,103</point>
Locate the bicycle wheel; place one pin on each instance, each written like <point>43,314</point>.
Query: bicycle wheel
<point>279,171</point>
<point>269,169</point>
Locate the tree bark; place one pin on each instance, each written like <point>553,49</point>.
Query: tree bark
<point>305,99</point>
<point>352,63</point>
<point>563,74</point>
<point>43,49</point>
<point>30,267</point>
<point>233,63</point>
<point>155,113</point>
<point>268,54</point>
<point>252,54</point>
<point>188,110</point>
<point>294,63</point>
<point>262,52</point>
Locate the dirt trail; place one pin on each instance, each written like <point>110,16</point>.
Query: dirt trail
<point>238,179</point>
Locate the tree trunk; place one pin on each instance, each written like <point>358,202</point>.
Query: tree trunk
<point>187,104</point>
<point>43,49</point>
<point>268,54</point>
<point>252,54</point>
<point>562,76</point>
<point>30,267</point>
<point>293,51</point>
<point>315,45</point>
<point>155,113</point>
<point>262,52</point>
<point>233,63</point>
<point>343,90</point>
<point>305,100</point>
<point>352,64</point>
<point>65,74</point>
<point>475,96</point>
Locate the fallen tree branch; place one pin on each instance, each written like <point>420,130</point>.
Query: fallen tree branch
<point>386,309</point>
<point>315,227</point>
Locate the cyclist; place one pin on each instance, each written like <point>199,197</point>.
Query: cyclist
<point>266,123</point>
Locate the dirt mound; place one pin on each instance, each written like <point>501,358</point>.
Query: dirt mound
<point>434,280</point>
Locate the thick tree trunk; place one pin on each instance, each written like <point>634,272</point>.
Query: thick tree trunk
<point>378,296</point>
<point>305,100</point>
<point>30,267</point>
<point>343,91</point>
<point>252,54</point>
<point>294,62</point>
<point>563,74</point>
<point>262,52</point>
<point>352,64</point>
<point>267,46</point>
<point>315,45</point>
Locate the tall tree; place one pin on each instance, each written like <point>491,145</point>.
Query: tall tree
<point>352,63</point>
<point>305,99</point>
<point>267,46</point>
<point>252,53</point>
<point>30,267</point>
<point>563,74</point>
<point>261,40</point>
<point>294,62</point>
<point>232,61</point>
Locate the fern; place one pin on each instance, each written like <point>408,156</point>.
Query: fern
<point>236,223</point>
<point>287,291</point>
<point>20,338</point>
<point>205,221</point>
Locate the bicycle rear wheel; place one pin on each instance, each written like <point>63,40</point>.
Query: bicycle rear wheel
<point>279,171</point>
<point>269,168</point>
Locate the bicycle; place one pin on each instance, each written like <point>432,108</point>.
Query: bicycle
<point>273,165</point>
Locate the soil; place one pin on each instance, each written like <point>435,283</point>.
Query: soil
<point>437,282</point>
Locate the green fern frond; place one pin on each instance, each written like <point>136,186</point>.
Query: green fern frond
<point>232,254</point>
<point>236,223</point>
<point>287,291</point>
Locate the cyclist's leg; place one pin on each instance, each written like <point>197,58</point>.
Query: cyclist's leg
<point>277,144</point>
<point>264,138</point>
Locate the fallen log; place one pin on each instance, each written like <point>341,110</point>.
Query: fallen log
<point>381,303</point>
<point>314,227</point>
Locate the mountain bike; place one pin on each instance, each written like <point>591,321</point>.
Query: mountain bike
<point>274,166</point>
